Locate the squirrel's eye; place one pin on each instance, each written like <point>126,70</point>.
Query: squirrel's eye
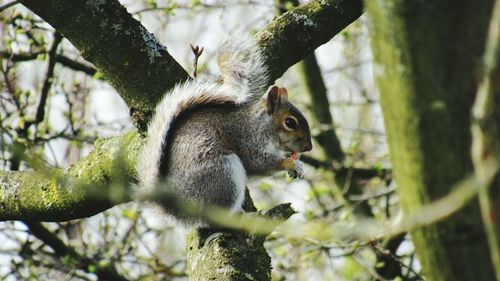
<point>290,123</point>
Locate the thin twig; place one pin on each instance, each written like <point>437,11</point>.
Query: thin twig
<point>40,112</point>
<point>197,51</point>
<point>62,59</point>
<point>103,272</point>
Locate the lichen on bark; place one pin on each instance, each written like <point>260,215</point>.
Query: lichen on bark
<point>89,186</point>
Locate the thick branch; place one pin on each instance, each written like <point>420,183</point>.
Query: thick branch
<point>216,255</point>
<point>131,58</point>
<point>294,35</point>
<point>82,190</point>
<point>141,69</point>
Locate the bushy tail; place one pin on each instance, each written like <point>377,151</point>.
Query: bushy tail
<point>182,98</point>
<point>242,66</point>
<point>244,78</point>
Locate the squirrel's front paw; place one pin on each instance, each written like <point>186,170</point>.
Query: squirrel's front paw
<point>298,171</point>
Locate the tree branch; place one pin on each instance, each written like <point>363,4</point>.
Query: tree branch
<point>62,59</point>
<point>104,271</point>
<point>130,57</point>
<point>294,35</point>
<point>136,65</point>
<point>89,186</point>
<point>313,84</point>
<point>47,83</point>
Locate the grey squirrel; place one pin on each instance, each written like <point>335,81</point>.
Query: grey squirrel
<point>206,137</point>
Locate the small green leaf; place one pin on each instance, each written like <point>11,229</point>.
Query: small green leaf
<point>41,56</point>
<point>98,75</point>
<point>289,5</point>
<point>92,268</point>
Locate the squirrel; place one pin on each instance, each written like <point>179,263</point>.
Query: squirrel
<point>206,137</point>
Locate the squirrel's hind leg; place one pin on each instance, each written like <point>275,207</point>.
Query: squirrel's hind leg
<point>221,183</point>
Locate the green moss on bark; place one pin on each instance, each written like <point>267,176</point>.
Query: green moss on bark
<point>294,35</point>
<point>227,256</point>
<point>92,185</point>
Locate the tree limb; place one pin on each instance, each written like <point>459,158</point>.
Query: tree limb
<point>89,186</point>
<point>131,58</point>
<point>136,65</point>
<point>104,271</point>
<point>294,35</point>
<point>62,59</point>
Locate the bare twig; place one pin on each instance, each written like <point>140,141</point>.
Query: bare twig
<point>103,271</point>
<point>62,59</point>
<point>197,51</point>
<point>40,112</point>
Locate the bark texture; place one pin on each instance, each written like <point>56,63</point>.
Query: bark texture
<point>87,187</point>
<point>426,54</point>
<point>295,34</point>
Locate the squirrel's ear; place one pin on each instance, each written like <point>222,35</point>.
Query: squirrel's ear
<point>275,97</point>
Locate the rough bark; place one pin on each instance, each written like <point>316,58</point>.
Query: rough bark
<point>226,255</point>
<point>87,187</point>
<point>294,35</point>
<point>426,55</point>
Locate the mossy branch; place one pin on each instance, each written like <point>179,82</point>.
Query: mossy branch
<point>89,186</point>
<point>292,36</point>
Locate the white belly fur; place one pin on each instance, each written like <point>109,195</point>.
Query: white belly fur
<point>239,176</point>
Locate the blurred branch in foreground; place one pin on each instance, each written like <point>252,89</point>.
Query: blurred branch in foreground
<point>485,126</point>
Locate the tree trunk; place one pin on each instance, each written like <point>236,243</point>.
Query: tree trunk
<point>426,55</point>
